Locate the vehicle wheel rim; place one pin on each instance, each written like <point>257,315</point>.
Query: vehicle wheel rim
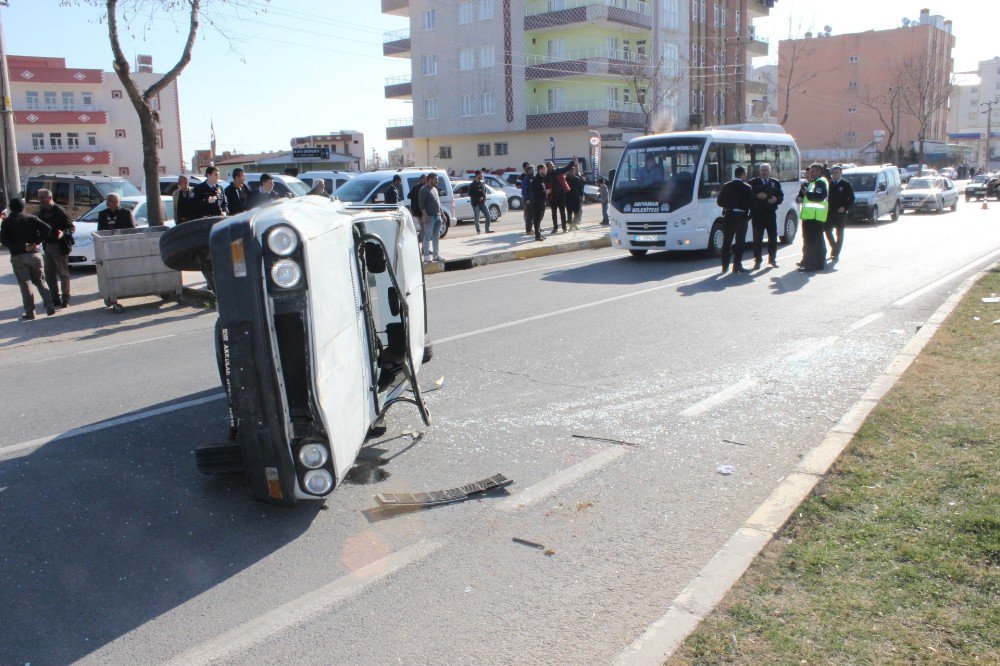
<point>494,213</point>
<point>789,229</point>
<point>717,239</point>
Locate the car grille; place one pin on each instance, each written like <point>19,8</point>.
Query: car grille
<point>647,227</point>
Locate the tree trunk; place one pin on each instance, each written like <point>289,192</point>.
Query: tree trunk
<point>151,167</point>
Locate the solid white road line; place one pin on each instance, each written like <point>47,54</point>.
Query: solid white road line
<point>24,448</point>
<point>557,481</point>
<point>725,395</point>
<point>864,321</point>
<point>299,610</point>
<point>531,270</point>
<point>947,278</point>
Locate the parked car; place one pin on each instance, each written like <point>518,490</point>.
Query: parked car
<point>332,179</point>
<point>496,202</point>
<point>168,184</point>
<point>976,188</point>
<point>948,172</point>
<point>930,193</point>
<point>285,186</point>
<point>877,192</point>
<point>513,192</point>
<point>321,330</point>
<point>370,188</point>
<point>77,194</point>
<point>82,253</point>
<point>912,170</point>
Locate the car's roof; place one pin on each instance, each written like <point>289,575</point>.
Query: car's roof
<point>74,176</point>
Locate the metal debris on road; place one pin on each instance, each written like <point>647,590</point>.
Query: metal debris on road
<point>529,544</point>
<point>725,470</point>
<point>604,439</point>
<point>992,299</point>
<point>443,496</point>
<point>733,441</point>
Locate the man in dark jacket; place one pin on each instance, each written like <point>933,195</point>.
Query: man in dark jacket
<point>264,194</point>
<point>209,199</point>
<point>538,193</point>
<point>55,257</point>
<point>574,199</point>
<point>22,234</point>
<point>526,176</point>
<point>767,197</point>
<point>237,193</point>
<point>841,200</point>
<point>477,197</point>
<point>736,200</point>
<point>555,184</point>
<point>115,216</point>
<point>814,199</point>
<point>183,201</point>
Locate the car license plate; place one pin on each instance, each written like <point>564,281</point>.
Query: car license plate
<point>643,239</point>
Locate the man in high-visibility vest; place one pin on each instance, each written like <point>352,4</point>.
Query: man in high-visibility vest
<point>815,201</point>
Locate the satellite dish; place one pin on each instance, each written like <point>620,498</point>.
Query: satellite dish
<point>827,29</point>
<point>906,23</point>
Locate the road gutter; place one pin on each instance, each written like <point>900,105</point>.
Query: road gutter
<point>730,562</point>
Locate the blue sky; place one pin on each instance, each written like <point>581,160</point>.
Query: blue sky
<point>298,67</point>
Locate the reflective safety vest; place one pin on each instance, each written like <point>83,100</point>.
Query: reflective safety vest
<point>816,210</point>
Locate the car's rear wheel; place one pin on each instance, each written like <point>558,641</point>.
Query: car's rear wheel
<point>790,229</point>
<point>185,246</point>
<point>494,212</point>
<point>515,203</point>
<point>873,215</point>
<point>954,206</point>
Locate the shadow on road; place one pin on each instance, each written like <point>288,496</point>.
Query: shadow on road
<point>105,531</point>
<point>627,270</point>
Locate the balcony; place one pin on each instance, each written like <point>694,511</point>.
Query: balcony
<point>554,14</point>
<point>399,128</point>
<point>584,62</point>
<point>396,7</point>
<point>398,87</point>
<point>89,115</point>
<point>597,113</point>
<point>759,8</point>
<point>758,44</point>
<point>396,43</point>
<point>82,156</point>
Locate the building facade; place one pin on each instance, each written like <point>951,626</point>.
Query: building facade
<point>81,121</point>
<point>829,85</point>
<point>967,120</point>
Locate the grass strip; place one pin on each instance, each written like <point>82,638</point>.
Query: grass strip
<point>895,557</point>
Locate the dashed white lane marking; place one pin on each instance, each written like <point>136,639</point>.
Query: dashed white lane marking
<point>24,448</point>
<point>299,610</point>
<point>905,300</point>
<point>723,396</point>
<point>557,481</point>
<point>531,270</point>
<point>864,321</point>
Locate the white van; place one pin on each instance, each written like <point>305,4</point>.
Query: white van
<point>370,188</point>
<point>332,179</point>
<point>283,185</point>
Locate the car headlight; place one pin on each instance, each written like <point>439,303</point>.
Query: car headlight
<point>286,273</point>
<point>282,241</point>
<point>318,481</point>
<point>313,455</point>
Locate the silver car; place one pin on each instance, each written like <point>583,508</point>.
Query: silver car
<point>930,193</point>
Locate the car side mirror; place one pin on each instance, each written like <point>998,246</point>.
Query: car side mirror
<point>881,187</point>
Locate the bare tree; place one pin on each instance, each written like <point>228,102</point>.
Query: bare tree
<point>886,103</point>
<point>656,84</point>
<point>794,72</point>
<point>375,162</point>
<point>924,89</point>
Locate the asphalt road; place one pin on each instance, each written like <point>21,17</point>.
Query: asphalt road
<point>115,550</point>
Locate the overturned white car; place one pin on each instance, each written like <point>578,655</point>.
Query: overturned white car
<point>321,330</point>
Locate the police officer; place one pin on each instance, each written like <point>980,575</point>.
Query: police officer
<point>767,197</point>
<point>736,199</point>
<point>841,200</point>
<point>814,198</point>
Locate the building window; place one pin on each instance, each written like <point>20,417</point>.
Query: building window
<point>50,101</point>
<point>715,14</point>
<point>33,100</point>
<point>87,99</point>
<point>55,141</point>
<point>556,49</point>
<point>430,109</point>
<point>159,138</point>
<point>91,138</point>
<point>120,134</point>
<point>500,148</point>
<point>466,107</point>
<point>852,85</point>
<point>722,19</point>
<point>486,104</point>
<point>444,152</point>
<point>429,19</point>
<point>852,109</point>
<point>701,10</point>
<point>466,11</point>
<point>485,9</point>
<point>116,94</point>
<point>429,65</point>
<point>853,59</point>
<point>483,149</point>
<point>612,97</point>
<point>486,57</point>
<point>38,141</point>
<point>123,171</point>
<point>73,140</point>
<point>736,21</point>
<point>163,171</point>
<point>68,101</point>
<point>851,135</point>
<point>701,101</point>
<point>154,103</point>
<point>556,98</point>
<point>466,59</point>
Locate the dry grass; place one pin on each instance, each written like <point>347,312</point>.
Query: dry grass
<point>895,558</point>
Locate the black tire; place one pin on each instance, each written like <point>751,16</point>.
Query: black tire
<point>954,206</point>
<point>873,215</point>
<point>515,203</point>
<point>715,240</point>
<point>219,459</point>
<point>494,212</point>
<point>790,229</point>
<point>183,247</point>
<point>445,224</point>
<point>897,210</point>
<point>428,352</point>
<point>638,254</point>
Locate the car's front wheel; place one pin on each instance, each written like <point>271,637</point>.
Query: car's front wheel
<point>790,229</point>
<point>185,246</point>
<point>897,210</point>
<point>445,224</point>
<point>494,212</point>
<point>515,203</point>
<point>715,239</point>
<point>638,254</point>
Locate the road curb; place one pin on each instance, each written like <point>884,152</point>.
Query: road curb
<point>730,562</point>
<point>502,256</point>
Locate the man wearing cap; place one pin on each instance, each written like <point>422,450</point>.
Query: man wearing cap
<point>736,199</point>
<point>841,200</point>
<point>815,201</point>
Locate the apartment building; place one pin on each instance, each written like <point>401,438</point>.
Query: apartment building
<point>835,76</point>
<point>81,121</point>
<point>967,118</point>
<point>348,145</point>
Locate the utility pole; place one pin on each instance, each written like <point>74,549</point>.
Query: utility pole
<point>989,126</point>
<point>11,173</point>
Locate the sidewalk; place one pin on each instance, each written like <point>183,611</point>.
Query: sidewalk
<point>509,244</point>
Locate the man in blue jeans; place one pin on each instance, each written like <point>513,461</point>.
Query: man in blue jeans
<point>477,197</point>
<point>430,204</point>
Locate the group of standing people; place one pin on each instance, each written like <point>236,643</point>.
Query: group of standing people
<point>559,189</point>
<point>825,200</point>
<point>209,199</point>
